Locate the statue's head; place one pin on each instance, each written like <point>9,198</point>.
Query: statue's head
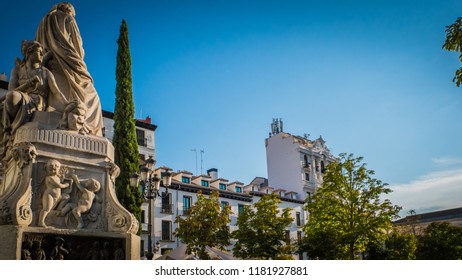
<point>92,185</point>
<point>52,167</point>
<point>65,7</point>
<point>29,47</point>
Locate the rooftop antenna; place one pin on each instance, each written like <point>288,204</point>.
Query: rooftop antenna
<point>195,150</point>
<point>202,152</point>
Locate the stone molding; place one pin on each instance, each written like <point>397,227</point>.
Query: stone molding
<point>64,139</point>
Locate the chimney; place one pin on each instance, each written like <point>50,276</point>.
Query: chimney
<point>147,120</point>
<point>213,173</point>
<point>3,77</point>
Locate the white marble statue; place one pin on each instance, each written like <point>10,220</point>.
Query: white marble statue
<point>60,37</point>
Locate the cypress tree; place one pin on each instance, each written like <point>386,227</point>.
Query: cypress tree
<point>125,143</point>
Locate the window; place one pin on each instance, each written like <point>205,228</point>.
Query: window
<point>167,206</point>
<point>238,189</point>
<point>323,169</point>
<point>297,218</point>
<point>186,204</point>
<point>185,180</point>
<point>240,209</point>
<point>204,183</point>
<point>166,198</point>
<point>142,248</point>
<point>143,213</point>
<point>222,186</point>
<point>288,236</point>
<point>308,196</point>
<point>307,176</point>
<point>224,204</point>
<point>299,236</point>
<point>305,161</point>
<point>140,138</point>
<point>166,230</point>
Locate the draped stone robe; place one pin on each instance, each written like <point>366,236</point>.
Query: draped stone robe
<point>59,34</point>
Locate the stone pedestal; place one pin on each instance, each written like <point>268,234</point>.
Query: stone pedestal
<point>106,226</point>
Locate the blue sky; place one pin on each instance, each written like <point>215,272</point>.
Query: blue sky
<point>369,76</point>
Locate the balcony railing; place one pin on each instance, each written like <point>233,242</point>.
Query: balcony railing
<point>167,208</point>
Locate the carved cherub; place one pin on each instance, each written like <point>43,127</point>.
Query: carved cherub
<point>88,188</point>
<point>52,194</point>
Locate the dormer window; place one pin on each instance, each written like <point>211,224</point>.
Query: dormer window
<point>185,180</point>
<point>238,189</point>
<point>222,186</point>
<point>204,183</point>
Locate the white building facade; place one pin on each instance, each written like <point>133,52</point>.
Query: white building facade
<point>295,163</point>
<point>182,195</point>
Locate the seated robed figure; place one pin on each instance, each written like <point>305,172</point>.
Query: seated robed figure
<point>30,88</point>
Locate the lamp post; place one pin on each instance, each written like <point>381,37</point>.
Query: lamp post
<point>150,191</point>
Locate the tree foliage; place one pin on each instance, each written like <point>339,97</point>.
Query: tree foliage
<point>400,246</point>
<point>206,225</point>
<point>453,42</point>
<point>322,244</point>
<point>349,207</point>
<point>440,241</point>
<point>125,143</point>
<point>262,231</point>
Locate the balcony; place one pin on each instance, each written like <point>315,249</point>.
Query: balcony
<point>167,208</point>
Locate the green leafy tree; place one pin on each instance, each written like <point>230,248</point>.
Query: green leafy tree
<point>440,241</point>
<point>322,245</point>
<point>400,246</point>
<point>206,225</point>
<point>453,42</point>
<point>349,204</point>
<point>125,143</point>
<point>262,231</point>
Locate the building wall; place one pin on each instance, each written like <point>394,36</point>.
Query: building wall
<point>179,190</point>
<point>295,163</point>
<point>283,163</point>
<point>146,148</point>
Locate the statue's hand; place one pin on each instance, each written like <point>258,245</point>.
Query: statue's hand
<point>33,82</point>
<point>74,177</point>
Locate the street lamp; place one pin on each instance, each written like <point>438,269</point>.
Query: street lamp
<point>150,191</point>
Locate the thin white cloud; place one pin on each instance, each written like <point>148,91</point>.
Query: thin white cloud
<point>447,160</point>
<point>434,191</point>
